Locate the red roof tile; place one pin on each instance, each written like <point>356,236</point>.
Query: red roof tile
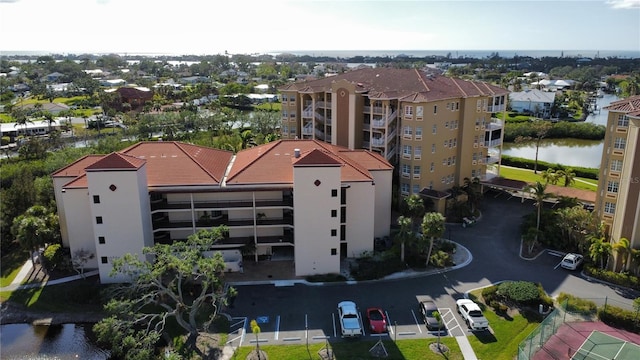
<point>77,167</point>
<point>630,106</point>
<point>404,84</point>
<point>316,157</point>
<point>116,161</point>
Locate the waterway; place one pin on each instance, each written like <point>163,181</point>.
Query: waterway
<point>570,152</point>
<point>59,342</point>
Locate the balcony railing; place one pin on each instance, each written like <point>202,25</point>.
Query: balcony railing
<point>491,160</point>
<point>166,225</point>
<point>220,205</point>
<point>492,143</point>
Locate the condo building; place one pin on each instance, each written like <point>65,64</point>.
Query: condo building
<point>436,130</point>
<point>303,200</point>
<point>618,197</point>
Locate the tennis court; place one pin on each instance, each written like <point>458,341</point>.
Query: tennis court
<point>600,346</point>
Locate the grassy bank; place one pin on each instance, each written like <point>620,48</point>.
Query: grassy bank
<point>529,177</point>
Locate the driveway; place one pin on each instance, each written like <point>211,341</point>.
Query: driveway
<point>299,313</point>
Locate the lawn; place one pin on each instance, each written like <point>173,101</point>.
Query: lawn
<point>359,349</point>
<point>10,265</point>
<point>528,176</point>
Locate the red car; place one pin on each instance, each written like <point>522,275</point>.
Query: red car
<point>377,320</point>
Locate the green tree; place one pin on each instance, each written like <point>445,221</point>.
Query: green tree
<point>600,251</point>
<point>181,283</point>
<point>473,189</point>
<point>438,317</point>
<point>432,227</point>
<point>541,129</point>
<point>255,329</point>
<point>414,209</point>
<point>550,176</point>
<point>539,193</point>
<point>622,248</point>
<point>567,175</point>
<point>405,235</point>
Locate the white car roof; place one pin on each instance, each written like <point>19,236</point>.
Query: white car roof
<point>348,307</point>
<point>469,304</point>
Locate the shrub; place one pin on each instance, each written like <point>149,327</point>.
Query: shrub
<point>326,278</point>
<point>54,256</point>
<point>577,305</point>
<point>622,279</point>
<point>490,293</point>
<point>520,292</point>
<point>619,318</point>
<point>441,259</point>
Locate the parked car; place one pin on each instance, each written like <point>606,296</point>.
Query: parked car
<point>472,314</point>
<point>572,261</point>
<point>350,323</point>
<point>377,320</point>
<point>427,309</point>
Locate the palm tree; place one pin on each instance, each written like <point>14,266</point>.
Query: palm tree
<point>635,256</point>
<point>415,208</point>
<point>539,192</point>
<point>438,317</point>
<point>405,234</point>
<point>550,176</point>
<point>432,228</point>
<point>623,249</point>
<point>599,250</point>
<point>568,175</point>
<point>473,189</point>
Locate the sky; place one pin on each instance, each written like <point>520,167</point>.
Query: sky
<point>201,27</point>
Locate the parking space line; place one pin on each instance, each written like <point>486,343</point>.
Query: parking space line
<point>275,335</point>
<point>333,317</point>
<point>292,339</point>
<point>416,320</point>
<point>364,332</point>
<point>320,337</point>
<point>389,323</point>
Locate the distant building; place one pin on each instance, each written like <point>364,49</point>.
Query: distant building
<point>533,101</point>
<point>437,130</point>
<point>618,197</point>
<point>137,97</point>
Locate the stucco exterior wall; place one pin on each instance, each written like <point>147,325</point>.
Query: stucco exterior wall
<point>313,223</point>
<point>360,215</point>
<point>79,222</point>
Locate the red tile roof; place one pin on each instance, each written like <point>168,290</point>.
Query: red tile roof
<point>403,84</point>
<point>178,164</point>
<point>116,161</point>
<point>630,106</point>
<point>273,162</point>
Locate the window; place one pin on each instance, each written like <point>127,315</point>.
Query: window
<point>610,208</point>
<point>407,132</point>
<point>334,213</point>
<point>475,156</point>
<point>612,186</point>
<point>343,232</point>
<point>435,109</point>
<point>284,114</point>
<point>334,192</point>
<point>416,188</point>
<point>433,148</point>
<point>417,152</point>
<point>453,161</point>
<point>404,188</point>
<point>285,129</point>
<point>416,172</point>
<point>419,111</point>
<point>343,214</point>
<point>406,151</point>
<point>474,173</point>
<point>444,161</point>
<point>334,251</point>
<point>455,142</point>
<point>334,232</point>
<point>408,111</point>
<point>418,132</point>
<point>292,129</point>
<point>101,240</point>
<point>449,161</point>
<point>450,143</point>
<point>478,105</point>
<point>446,125</point>
<point>343,196</point>
<point>431,185</point>
<point>620,143</point>
<point>104,260</point>
<point>435,129</point>
<point>98,219</point>
<point>406,170</point>
<point>623,120</point>
<point>96,199</point>
<point>456,124</point>
<point>284,98</point>
<point>443,180</point>
<point>616,165</point>
<point>445,143</point>
<point>433,166</point>
<point>457,105</point>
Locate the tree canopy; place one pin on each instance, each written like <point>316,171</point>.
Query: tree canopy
<point>180,284</point>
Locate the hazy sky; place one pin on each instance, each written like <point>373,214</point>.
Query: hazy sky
<point>257,26</point>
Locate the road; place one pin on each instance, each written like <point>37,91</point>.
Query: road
<point>302,313</point>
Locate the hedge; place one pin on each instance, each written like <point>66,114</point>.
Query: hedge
<point>613,277</point>
<point>620,318</point>
<point>583,172</point>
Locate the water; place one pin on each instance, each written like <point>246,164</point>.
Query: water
<point>60,342</point>
<point>570,152</point>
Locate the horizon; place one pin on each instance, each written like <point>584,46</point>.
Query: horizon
<point>252,26</point>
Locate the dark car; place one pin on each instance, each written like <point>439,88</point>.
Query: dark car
<point>427,309</point>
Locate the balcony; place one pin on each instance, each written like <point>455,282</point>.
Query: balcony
<point>493,143</point>
<point>491,160</point>
<point>377,142</point>
<point>164,206</point>
<point>494,124</point>
<point>166,225</point>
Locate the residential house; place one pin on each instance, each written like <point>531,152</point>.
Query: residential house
<point>309,201</point>
<point>137,97</point>
<point>533,101</point>
<point>53,77</point>
<point>618,197</point>
<point>437,130</point>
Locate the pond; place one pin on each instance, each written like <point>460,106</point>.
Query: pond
<point>60,342</point>
<point>570,152</point>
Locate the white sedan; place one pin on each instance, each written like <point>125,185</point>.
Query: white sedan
<point>572,261</point>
